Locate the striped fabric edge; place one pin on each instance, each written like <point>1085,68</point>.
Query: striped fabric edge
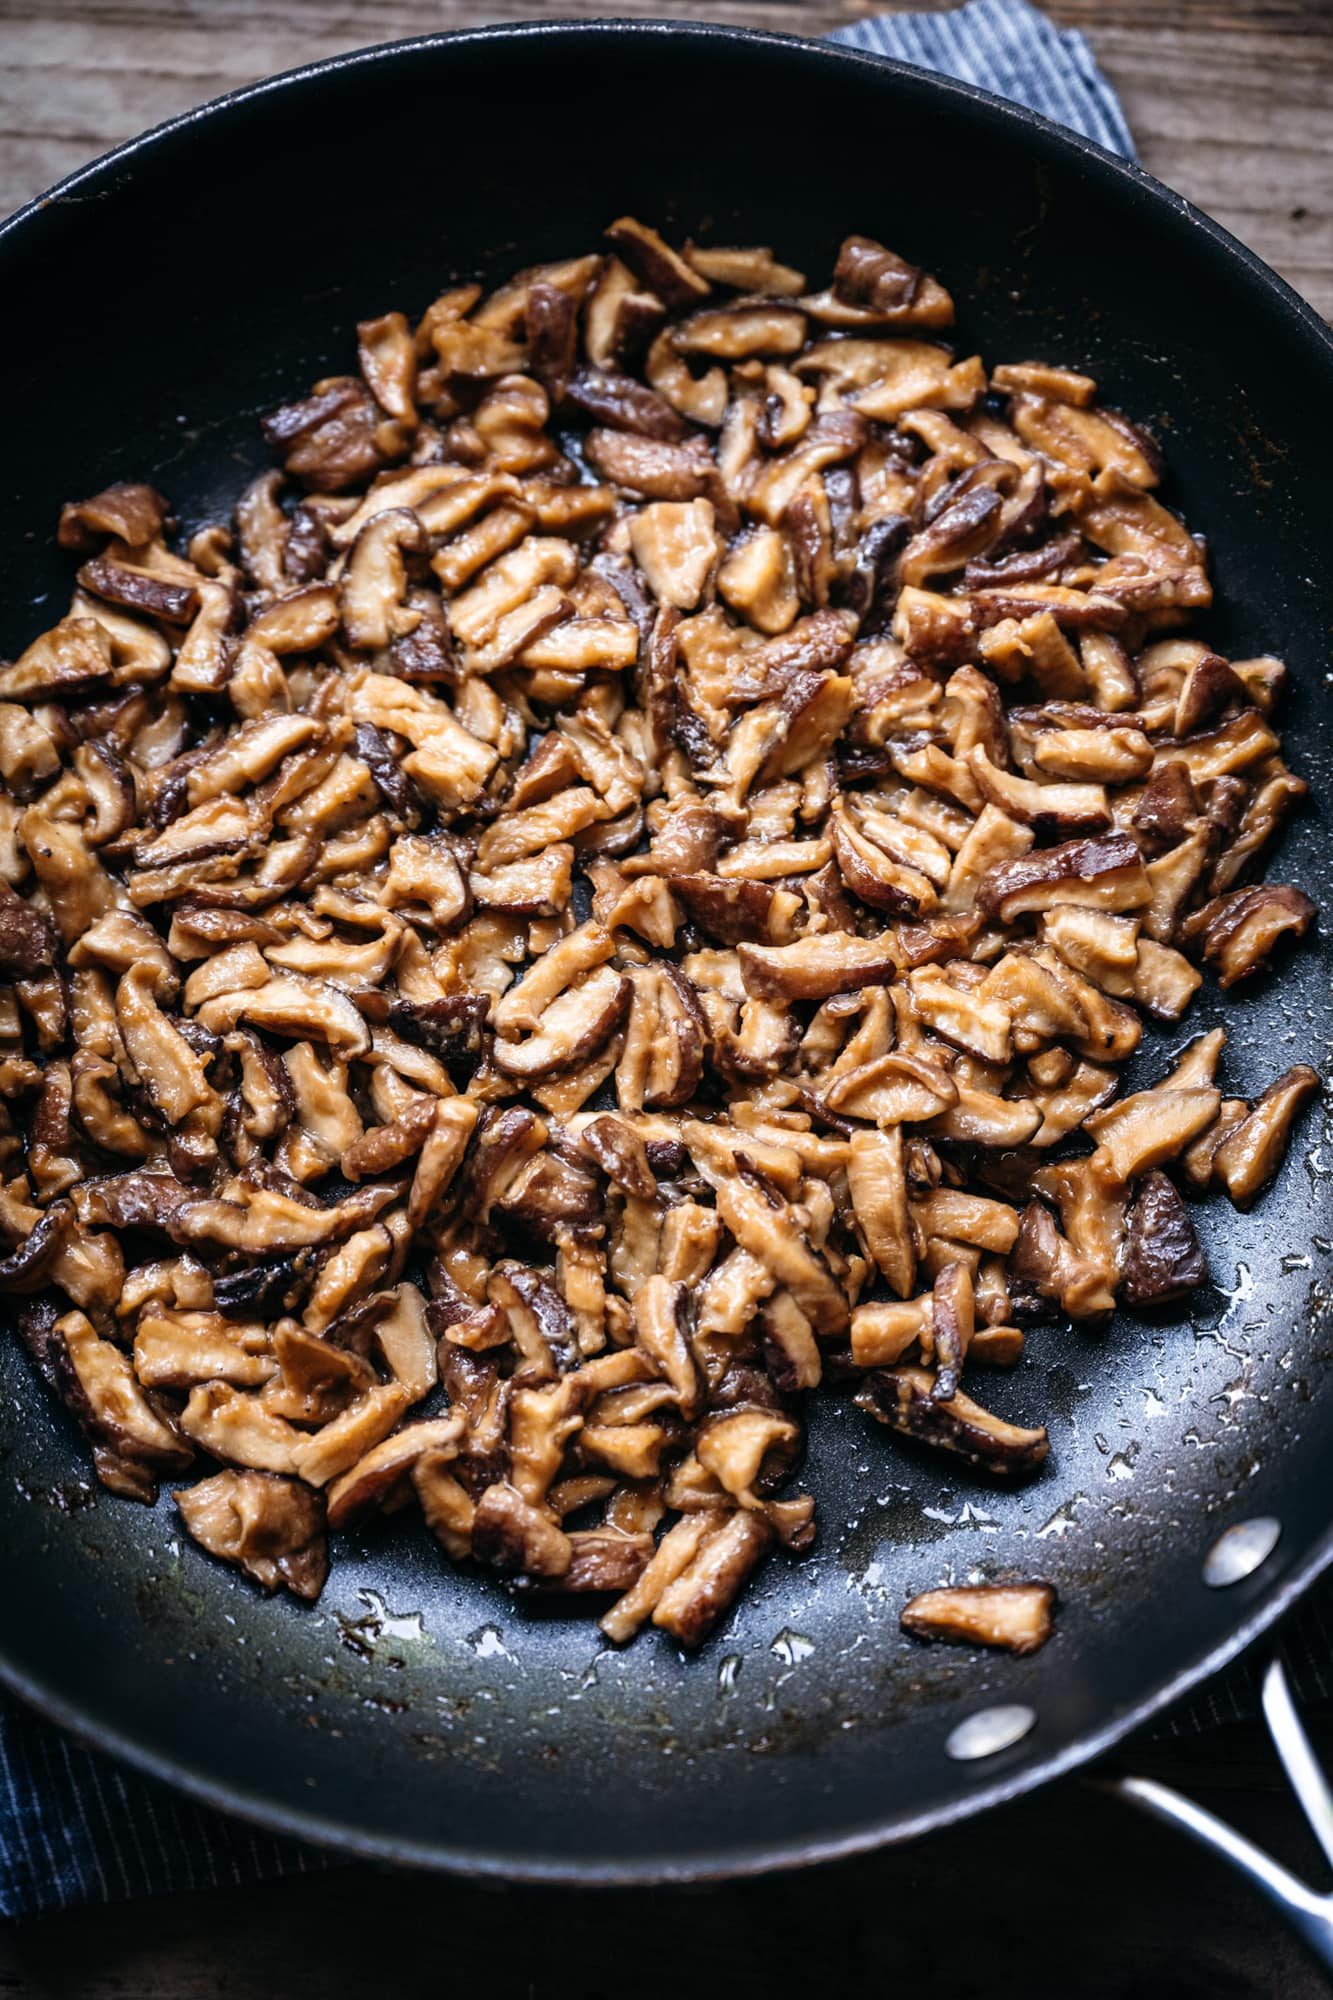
<point>1007,47</point>
<point>76,1828</point>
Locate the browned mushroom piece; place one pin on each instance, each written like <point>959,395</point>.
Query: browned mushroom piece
<point>952,1324</point>
<point>1096,874</point>
<point>691,1604</point>
<point>335,437</point>
<point>614,887</point>
<point>1163,1260</point>
<point>1015,1617</point>
<point>661,1060</point>
<point>26,940</point>
<point>272,1528</point>
<point>1237,933</point>
<point>126,512</point>
<point>511,1534</point>
<point>625,404</point>
<point>877,1182</point>
<point>816,967</point>
<point>1251,1153</point>
<point>904,1399</point>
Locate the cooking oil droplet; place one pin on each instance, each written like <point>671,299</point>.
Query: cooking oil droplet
<point>792,1647</point>
<point>488,1643</point>
<point>393,1624</point>
<point>1235,1392</point>
<point>1063,1519</point>
<point>1244,1288</point>
<point>1122,1465</point>
<point>1294,1261</point>
<point>728,1672</point>
<point>1153,1406</point>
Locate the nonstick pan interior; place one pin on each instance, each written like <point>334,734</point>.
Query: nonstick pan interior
<point>154,307</point>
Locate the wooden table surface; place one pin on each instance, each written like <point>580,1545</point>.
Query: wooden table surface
<point>1064,1895</point>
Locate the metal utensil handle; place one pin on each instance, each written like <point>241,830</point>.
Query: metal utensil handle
<point>1309,1913</point>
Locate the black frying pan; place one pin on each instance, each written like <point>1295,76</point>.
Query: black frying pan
<point>153,306</point>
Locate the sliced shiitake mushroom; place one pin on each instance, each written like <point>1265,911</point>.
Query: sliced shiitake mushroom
<point>621,882</point>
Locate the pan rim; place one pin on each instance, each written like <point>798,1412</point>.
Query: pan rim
<point>1042,137</point>
<point>714,1866</point>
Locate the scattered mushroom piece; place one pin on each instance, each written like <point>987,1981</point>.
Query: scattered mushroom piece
<point>904,1399</point>
<point>1236,933</point>
<point>271,1528</point>
<point>1163,1259</point>
<point>1015,1617</point>
<point>1252,1152</point>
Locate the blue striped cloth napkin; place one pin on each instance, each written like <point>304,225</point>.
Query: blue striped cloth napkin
<point>1008,47</point>
<point>77,1828</point>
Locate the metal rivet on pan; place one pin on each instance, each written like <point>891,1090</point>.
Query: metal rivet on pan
<point>989,1730</point>
<point>1239,1552</point>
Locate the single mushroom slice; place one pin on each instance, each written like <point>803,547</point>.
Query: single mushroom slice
<point>271,1528</point>
<point>953,1322</point>
<point>903,1398</point>
<point>791,1352</point>
<point>661,1061</point>
<point>573,1025</point>
<point>660,268</point>
<point>1162,1259</point>
<point>650,467</point>
<point>127,512</point>
<point>818,966</point>
<point>877,1183</point>
<point>232,1425</point>
<point>621,1154</point>
<point>676,546</point>
<point>1106,874</point>
<point>387,355</point>
<point>1237,933</point>
<point>758,580</point>
<point>882,1333</point>
<point>384,1477</point>
<point>1148,1129</point>
<point>740,331</point>
<point>1251,1154</point>
<point>511,1534</point>
<point>662,1324</point>
<point>1047,809</point>
<point>372,593</point>
<point>752,269</point>
<point>625,404</point>
<point>690,1605</point>
<point>1014,1617</point>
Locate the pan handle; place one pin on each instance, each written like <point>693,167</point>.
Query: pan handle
<point>1309,1913</point>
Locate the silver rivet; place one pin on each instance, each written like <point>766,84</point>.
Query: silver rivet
<point>1239,1552</point>
<point>989,1730</point>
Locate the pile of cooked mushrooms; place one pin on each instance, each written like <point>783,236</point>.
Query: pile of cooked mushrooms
<point>616,888</point>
